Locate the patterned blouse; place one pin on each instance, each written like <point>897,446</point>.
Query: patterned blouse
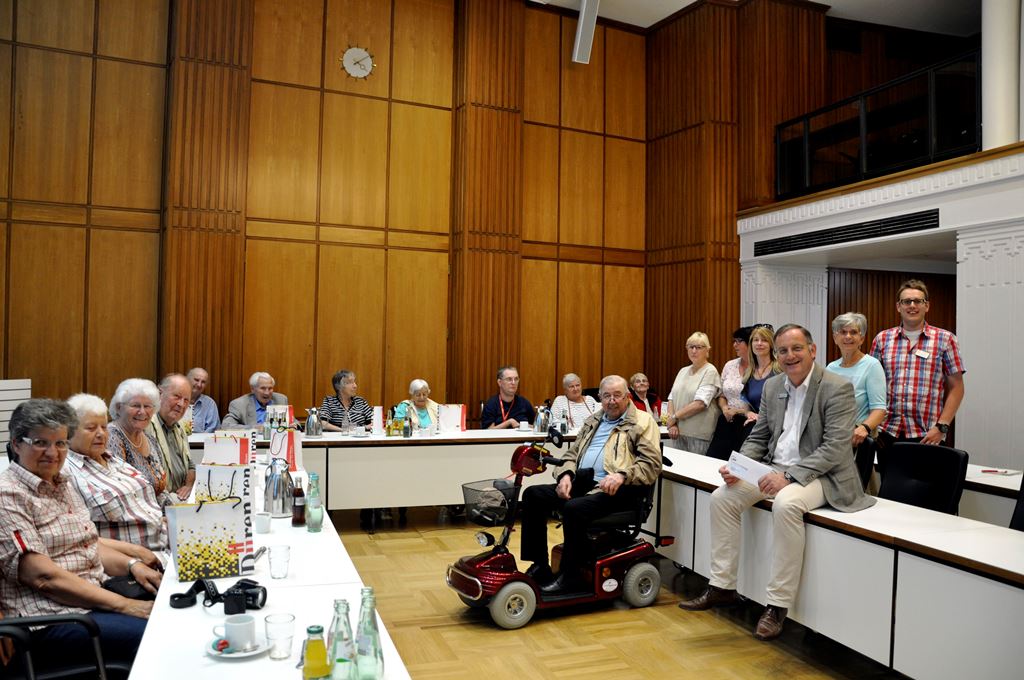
<point>732,384</point>
<point>151,466</point>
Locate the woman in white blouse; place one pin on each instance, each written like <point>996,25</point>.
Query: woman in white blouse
<point>572,406</point>
<point>691,403</point>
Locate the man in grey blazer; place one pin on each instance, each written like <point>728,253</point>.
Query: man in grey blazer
<point>802,432</point>
<point>250,410</point>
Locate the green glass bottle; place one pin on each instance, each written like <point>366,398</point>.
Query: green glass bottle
<point>369,653</point>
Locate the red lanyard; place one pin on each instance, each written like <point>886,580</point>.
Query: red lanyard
<point>501,405</point>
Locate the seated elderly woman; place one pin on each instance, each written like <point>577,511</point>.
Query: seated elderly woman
<point>345,410</point>
<point>419,406</point>
<point>644,398</point>
<point>691,403</point>
<point>573,407</point>
<point>131,408</point>
<point>52,561</point>
<point>121,503</point>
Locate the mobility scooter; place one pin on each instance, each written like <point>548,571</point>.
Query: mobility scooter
<point>619,563</point>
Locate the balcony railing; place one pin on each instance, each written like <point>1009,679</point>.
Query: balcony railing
<point>925,116</point>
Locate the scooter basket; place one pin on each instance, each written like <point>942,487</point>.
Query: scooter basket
<point>487,501</point>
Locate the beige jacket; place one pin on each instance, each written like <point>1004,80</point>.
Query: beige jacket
<point>634,447</point>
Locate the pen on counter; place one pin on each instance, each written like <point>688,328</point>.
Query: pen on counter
<point>993,471</point>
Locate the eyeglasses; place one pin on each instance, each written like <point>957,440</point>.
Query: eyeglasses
<point>609,396</point>
<point>737,340</point>
<point>848,331</point>
<point>41,445</point>
<point>909,302</point>
<point>692,347</point>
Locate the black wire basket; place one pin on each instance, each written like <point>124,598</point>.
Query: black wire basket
<point>488,501</point>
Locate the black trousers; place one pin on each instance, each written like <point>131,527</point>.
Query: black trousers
<point>577,514</point>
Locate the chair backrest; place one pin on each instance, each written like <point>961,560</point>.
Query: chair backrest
<point>924,475</point>
<point>1017,521</point>
<point>629,520</point>
<point>864,457</point>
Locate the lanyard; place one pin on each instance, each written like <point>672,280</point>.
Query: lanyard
<point>501,405</point>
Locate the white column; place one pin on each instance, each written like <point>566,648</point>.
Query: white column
<point>1000,72</point>
<point>779,295</point>
<point>989,302</point>
<point>1020,71</point>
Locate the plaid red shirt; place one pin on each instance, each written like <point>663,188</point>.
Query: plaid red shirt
<point>916,377</point>
<point>49,519</point>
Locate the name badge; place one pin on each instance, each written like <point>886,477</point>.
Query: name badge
<point>921,353</point>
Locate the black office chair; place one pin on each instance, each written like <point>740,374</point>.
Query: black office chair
<point>864,458</point>
<point>1017,521</point>
<point>924,475</point>
<point>24,665</point>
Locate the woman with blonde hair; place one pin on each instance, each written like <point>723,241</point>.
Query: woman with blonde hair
<point>692,410</point>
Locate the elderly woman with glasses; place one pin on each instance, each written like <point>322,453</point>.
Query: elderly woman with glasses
<point>572,407</point>
<point>52,560</point>
<point>131,408</point>
<point>863,370</point>
<point>691,403</point>
<point>121,502</point>
<point>346,410</point>
<point>644,398</point>
<point>419,406</point>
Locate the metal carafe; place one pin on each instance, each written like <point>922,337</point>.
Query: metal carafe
<point>540,423</point>
<point>314,428</point>
<point>277,492</point>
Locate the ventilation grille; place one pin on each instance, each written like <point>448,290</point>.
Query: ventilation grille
<point>890,226</point>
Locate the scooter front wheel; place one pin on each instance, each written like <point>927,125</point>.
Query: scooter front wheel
<point>513,606</point>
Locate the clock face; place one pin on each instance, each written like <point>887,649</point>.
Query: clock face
<point>357,62</point>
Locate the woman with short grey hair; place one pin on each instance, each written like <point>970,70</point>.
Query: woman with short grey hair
<point>863,370</point>
<point>572,407</point>
<point>131,408</point>
<point>419,407</point>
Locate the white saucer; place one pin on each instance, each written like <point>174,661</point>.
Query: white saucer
<point>361,433</point>
<point>261,646</point>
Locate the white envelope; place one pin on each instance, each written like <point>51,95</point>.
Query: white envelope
<point>747,469</point>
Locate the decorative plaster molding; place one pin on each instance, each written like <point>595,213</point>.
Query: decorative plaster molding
<point>956,179</point>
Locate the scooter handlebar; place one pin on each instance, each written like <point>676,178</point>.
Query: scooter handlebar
<point>549,460</point>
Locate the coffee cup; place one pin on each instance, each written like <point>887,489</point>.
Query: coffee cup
<point>261,520</point>
<point>239,631</point>
<point>524,426</point>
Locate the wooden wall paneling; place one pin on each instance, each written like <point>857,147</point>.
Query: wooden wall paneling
<point>124,269</point>
<point>423,51</point>
<point>539,339</point>
<point>46,299</point>
<point>353,167</point>
<point>625,84</point>
<point>580,299</point>
<point>582,84</point>
<point>286,41</point>
<point>359,23</point>
<point>492,184</point>
<point>5,117</point>
<point>52,94</point>
<point>581,188</point>
<point>417,323</point>
<point>353,339</point>
<point>873,294</point>
<point>127,166</point>
<point>420,168</point>
<point>542,67</point>
<point>623,326</point>
<point>6,19</point>
<point>283,143</point>
<point>540,183</point>
<point>491,66</point>
<point>3,300</point>
<point>279,316</point>
<point>624,193</point>
<point>65,24</point>
<point>133,29</point>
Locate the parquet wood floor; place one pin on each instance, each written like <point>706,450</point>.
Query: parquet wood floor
<point>439,638</point>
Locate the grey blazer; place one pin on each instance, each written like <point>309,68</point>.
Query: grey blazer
<point>825,442</point>
<point>242,412</point>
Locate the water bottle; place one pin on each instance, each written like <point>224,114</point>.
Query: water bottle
<point>314,505</point>
<point>340,645</point>
<point>369,654</point>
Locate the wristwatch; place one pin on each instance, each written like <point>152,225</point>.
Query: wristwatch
<point>942,427</point>
<point>789,477</point>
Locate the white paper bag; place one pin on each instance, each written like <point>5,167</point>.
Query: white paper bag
<point>452,417</point>
<point>377,424</point>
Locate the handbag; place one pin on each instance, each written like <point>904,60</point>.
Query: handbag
<point>126,586</point>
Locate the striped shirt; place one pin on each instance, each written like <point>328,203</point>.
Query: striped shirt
<point>915,377</point>
<point>49,519</point>
<point>121,503</point>
<point>360,413</point>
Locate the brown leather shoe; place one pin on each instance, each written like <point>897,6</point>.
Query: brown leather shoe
<point>711,597</point>
<point>769,626</point>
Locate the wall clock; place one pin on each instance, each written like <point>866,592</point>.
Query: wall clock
<point>357,62</point>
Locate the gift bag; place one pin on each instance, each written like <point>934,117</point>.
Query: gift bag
<point>210,539</point>
<point>452,417</point>
<point>287,445</point>
<point>229,449</point>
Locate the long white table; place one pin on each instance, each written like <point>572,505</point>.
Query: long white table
<point>929,594</point>
<point>320,571</point>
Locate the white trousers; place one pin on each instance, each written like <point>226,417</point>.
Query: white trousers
<point>727,506</point>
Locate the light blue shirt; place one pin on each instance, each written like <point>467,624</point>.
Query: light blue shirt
<point>402,410</point>
<point>594,457</point>
<point>868,378</point>
<point>205,417</point>
<point>261,410</point>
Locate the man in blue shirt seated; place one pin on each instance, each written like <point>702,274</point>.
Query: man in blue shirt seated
<point>616,455</point>
<point>205,415</point>
<point>250,410</point>
<point>506,409</point>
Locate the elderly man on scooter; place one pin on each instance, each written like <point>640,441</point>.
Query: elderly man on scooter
<point>616,454</point>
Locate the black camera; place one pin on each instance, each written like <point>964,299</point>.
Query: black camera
<point>246,594</point>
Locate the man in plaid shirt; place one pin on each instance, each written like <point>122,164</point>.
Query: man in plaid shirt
<point>923,370</point>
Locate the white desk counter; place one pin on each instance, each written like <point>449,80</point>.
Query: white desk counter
<point>989,497</point>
